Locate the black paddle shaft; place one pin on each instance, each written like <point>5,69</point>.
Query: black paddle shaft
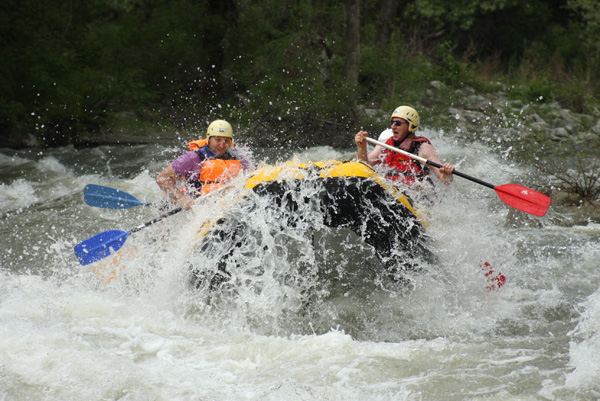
<point>156,220</point>
<point>463,175</point>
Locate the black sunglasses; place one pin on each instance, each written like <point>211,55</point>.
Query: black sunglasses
<point>398,123</point>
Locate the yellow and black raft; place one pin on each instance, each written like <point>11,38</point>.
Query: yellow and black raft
<point>301,196</point>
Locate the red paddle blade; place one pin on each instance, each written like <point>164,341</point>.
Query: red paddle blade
<point>523,198</point>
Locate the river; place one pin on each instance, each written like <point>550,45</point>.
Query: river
<point>147,334</point>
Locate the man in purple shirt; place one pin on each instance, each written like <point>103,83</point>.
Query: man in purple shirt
<point>207,166</point>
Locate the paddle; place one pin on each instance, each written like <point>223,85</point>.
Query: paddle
<point>514,195</point>
<point>110,198</point>
<point>104,244</point>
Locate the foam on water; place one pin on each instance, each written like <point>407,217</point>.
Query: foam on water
<point>149,334</point>
<point>18,194</point>
<point>586,344</point>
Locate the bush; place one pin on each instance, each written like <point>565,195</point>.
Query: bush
<point>583,181</point>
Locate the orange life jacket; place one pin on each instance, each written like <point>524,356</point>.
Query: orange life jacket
<point>216,170</point>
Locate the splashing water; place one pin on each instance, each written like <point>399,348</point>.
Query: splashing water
<point>306,312</point>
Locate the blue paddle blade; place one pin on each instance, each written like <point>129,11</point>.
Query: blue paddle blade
<point>100,246</point>
<point>109,198</point>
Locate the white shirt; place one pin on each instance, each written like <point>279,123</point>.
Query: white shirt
<point>385,135</point>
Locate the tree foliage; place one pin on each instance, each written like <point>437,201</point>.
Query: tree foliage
<point>278,68</point>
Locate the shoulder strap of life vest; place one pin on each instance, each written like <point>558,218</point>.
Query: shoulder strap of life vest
<point>415,143</point>
<point>410,145</point>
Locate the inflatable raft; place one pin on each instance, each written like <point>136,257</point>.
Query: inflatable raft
<point>301,196</point>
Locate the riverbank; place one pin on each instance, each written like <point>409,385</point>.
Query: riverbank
<point>489,117</point>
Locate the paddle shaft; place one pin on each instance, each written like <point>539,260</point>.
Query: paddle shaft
<point>156,220</point>
<point>517,196</point>
<point>429,162</point>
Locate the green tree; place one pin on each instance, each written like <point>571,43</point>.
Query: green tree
<point>588,31</point>
<point>284,69</point>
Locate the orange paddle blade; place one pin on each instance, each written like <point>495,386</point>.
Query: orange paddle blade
<point>523,198</point>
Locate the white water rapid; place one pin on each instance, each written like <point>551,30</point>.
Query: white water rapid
<point>285,331</point>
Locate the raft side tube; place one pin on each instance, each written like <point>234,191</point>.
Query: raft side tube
<point>348,195</point>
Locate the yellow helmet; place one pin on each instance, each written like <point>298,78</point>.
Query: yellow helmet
<point>410,115</point>
<point>219,128</point>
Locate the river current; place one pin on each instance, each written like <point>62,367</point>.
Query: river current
<point>67,332</point>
